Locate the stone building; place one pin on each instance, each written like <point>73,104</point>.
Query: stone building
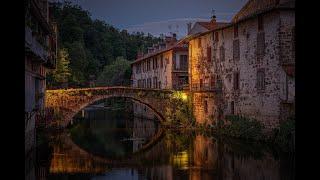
<point>165,66</point>
<point>251,60</point>
<point>40,55</point>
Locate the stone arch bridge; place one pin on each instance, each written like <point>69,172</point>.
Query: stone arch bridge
<point>68,102</point>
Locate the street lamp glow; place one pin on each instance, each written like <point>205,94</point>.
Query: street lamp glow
<point>184,96</point>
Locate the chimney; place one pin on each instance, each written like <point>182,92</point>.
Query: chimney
<point>213,17</point>
<point>174,35</point>
<point>189,28</point>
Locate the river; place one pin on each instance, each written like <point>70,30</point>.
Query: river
<point>123,139</point>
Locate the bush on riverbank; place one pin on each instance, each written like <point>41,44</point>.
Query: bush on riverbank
<point>242,127</point>
<point>284,135</point>
<point>179,113</point>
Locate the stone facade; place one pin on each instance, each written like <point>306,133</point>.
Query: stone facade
<point>164,67</point>
<point>40,56</point>
<point>253,60</point>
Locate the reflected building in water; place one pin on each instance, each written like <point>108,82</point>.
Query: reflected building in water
<point>144,126</point>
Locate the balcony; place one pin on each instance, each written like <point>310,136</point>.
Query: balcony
<point>33,45</point>
<point>182,69</point>
<point>205,87</point>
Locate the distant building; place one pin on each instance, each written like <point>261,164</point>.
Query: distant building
<point>40,55</point>
<point>252,60</point>
<point>200,27</point>
<point>165,66</point>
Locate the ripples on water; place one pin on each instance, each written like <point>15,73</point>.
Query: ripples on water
<point>125,141</point>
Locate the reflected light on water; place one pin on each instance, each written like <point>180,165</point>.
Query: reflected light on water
<point>181,160</point>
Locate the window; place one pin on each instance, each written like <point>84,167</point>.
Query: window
<point>216,36</point>
<point>260,45</point>
<point>144,83</point>
<point>209,54</point>
<point>201,83</point>
<point>235,31</point>
<point>260,79</point>
<point>236,81</point>
<point>232,107</point>
<point>155,82</point>
<point>205,106</point>
<point>199,42</point>
<point>236,50</point>
<point>222,53</point>
<point>161,61</point>
<point>293,40</point>
<point>260,23</point>
<point>212,81</point>
<point>184,62</point>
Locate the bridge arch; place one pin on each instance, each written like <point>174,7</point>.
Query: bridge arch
<point>159,116</point>
<point>69,102</point>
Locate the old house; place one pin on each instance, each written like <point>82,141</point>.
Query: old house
<point>40,55</point>
<point>165,66</point>
<point>252,61</point>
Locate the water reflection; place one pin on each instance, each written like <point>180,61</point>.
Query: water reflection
<point>107,144</point>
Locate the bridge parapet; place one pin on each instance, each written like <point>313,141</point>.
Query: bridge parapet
<point>67,102</point>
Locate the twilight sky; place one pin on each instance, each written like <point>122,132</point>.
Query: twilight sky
<point>159,16</point>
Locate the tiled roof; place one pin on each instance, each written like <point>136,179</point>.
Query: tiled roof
<point>210,25</point>
<point>254,7</point>
<point>177,46</point>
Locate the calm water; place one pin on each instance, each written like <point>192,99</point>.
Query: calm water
<point>126,141</point>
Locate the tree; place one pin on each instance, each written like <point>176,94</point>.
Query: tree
<point>93,44</point>
<point>61,74</point>
<point>115,74</point>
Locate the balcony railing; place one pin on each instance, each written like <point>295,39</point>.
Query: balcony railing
<point>180,86</point>
<point>205,87</point>
<point>183,68</point>
<point>34,46</point>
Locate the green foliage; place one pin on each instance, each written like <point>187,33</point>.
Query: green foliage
<point>93,44</point>
<point>62,71</point>
<point>179,112</point>
<point>284,135</point>
<point>115,74</point>
<point>242,127</point>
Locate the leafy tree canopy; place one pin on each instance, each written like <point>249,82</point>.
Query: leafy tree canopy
<point>93,44</point>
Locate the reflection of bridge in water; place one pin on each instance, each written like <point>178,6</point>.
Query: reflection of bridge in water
<point>204,158</point>
<point>68,157</point>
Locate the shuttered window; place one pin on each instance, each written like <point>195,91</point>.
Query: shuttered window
<point>236,50</point>
<point>260,45</point>
<point>222,53</point>
<point>260,79</point>
<point>236,81</point>
<point>209,54</point>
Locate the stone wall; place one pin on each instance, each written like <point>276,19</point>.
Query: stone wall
<point>260,102</point>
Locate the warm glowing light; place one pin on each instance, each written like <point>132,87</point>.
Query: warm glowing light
<point>184,96</point>
<point>181,160</point>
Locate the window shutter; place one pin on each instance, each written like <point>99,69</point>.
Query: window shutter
<point>260,44</point>
<point>236,50</point>
<point>209,54</point>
